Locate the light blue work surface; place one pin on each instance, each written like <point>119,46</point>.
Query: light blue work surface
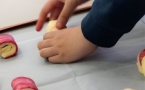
<point>105,69</point>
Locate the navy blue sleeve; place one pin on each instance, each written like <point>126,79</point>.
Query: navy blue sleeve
<point>109,20</point>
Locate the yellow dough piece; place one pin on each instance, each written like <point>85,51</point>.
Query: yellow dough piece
<point>143,66</point>
<point>51,26</point>
<point>128,89</point>
<point>138,64</point>
<point>7,49</point>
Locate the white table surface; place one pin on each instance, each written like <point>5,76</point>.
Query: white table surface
<point>105,69</point>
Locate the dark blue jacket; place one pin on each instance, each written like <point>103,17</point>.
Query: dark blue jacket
<point>108,20</point>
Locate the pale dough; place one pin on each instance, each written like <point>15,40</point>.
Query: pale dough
<point>27,89</point>
<point>8,50</point>
<point>128,89</point>
<point>51,26</point>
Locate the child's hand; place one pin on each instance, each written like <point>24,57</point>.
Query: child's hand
<point>58,9</point>
<point>64,46</point>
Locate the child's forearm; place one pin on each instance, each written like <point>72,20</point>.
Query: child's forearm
<point>108,20</point>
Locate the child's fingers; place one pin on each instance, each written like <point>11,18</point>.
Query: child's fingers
<point>68,9</point>
<point>48,52</point>
<point>54,59</point>
<point>43,14</point>
<point>55,13</point>
<point>57,59</point>
<point>45,44</point>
